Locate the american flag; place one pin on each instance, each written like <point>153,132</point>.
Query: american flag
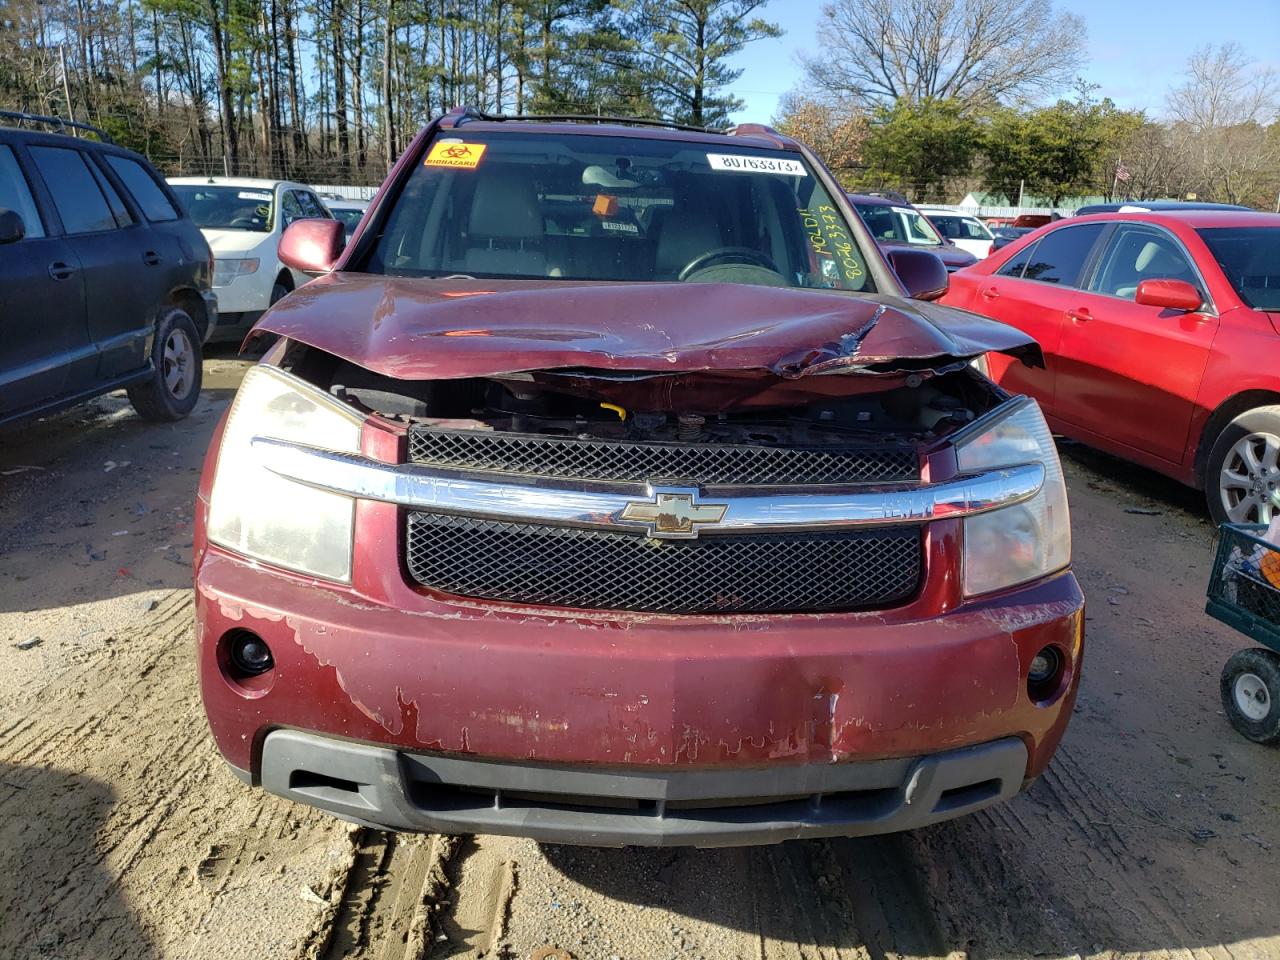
<point>1122,172</point>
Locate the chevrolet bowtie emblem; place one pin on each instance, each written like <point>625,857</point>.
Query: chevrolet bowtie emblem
<point>674,514</point>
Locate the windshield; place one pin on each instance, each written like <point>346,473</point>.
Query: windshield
<point>956,227</point>
<point>898,225</point>
<point>226,208</point>
<point>520,205</point>
<point>1250,259</point>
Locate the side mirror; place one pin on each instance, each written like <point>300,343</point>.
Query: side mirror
<point>922,273</point>
<point>1169,294</point>
<point>12,229</point>
<point>312,246</point>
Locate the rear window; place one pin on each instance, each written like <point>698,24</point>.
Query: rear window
<point>1250,259</point>
<point>508,205</point>
<point>80,204</point>
<point>139,182</point>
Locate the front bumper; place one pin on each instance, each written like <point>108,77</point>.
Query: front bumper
<point>249,293</point>
<point>401,790</point>
<point>642,697</point>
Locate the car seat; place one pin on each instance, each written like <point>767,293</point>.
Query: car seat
<point>506,228</point>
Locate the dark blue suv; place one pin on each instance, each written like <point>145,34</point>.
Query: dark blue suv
<point>104,281</point>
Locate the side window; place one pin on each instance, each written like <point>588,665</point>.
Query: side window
<point>1017,263</point>
<point>80,203</point>
<point>292,209</point>
<point>974,230</point>
<point>15,194</point>
<point>139,182</point>
<point>1138,253</point>
<point>311,206</point>
<point>1060,256</point>
<point>118,210</point>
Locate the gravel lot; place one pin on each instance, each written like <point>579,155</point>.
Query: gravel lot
<point>1154,834</point>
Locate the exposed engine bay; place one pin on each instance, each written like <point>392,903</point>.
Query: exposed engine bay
<point>907,409</point>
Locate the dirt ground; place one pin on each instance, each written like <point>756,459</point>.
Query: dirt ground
<point>1154,834</point>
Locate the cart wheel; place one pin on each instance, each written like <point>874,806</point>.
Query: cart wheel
<point>1251,694</point>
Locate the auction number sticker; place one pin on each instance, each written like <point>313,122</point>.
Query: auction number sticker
<point>454,153</point>
<point>827,234</point>
<point>740,163</point>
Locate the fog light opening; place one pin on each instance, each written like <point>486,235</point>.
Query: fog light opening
<point>250,655</point>
<point>1044,674</point>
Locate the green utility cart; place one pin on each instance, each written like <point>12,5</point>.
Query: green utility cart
<point>1244,593</point>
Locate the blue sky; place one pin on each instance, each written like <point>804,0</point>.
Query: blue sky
<point>1137,48</point>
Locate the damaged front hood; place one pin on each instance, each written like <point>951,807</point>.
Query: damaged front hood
<point>421,329</point>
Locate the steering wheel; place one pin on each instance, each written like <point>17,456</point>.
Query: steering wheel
<point>244,222</point>
<point>723,255</point>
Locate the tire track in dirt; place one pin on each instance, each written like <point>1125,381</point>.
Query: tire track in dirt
<point>809,900</point>
<point>385,908</point>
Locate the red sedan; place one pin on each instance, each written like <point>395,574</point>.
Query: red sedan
<point>1161,335</point>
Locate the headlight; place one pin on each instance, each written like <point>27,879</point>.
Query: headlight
<point>1015,544</point>
<point>255,512</point>
<point>224,271</point>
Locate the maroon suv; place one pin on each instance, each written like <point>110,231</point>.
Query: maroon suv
<point>610,488</point>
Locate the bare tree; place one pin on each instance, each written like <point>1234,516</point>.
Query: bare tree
<point>1224,88</point>
<point>975,51</point>
<point>1220,114</point>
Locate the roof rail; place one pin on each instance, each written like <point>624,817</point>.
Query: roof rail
<point>463,115</point>
<point>18,118</point>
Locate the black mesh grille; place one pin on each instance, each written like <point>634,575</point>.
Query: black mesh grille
<point>568,567</point>
<point>705,464</point>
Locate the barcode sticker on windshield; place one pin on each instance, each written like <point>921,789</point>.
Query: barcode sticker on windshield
<point>248,195</point>
<point>739,163</point>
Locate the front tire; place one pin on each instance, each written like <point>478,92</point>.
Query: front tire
<point>1251,694</point>
<point>1242,475</point>
<point>173,389</point>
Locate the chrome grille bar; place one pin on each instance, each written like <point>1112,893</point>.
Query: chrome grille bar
<point>613,507</point>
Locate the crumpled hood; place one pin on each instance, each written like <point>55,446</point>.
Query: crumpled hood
<point>423,329</point>
<point>226,243</point>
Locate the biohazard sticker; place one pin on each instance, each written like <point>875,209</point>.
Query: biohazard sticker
<point>453,153</point>
<point>740,163</point>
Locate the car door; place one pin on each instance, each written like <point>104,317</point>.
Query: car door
<point>122,281</point>
<point>1128,372</point>
<point>42,303</point>
<point>1033,291</point>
